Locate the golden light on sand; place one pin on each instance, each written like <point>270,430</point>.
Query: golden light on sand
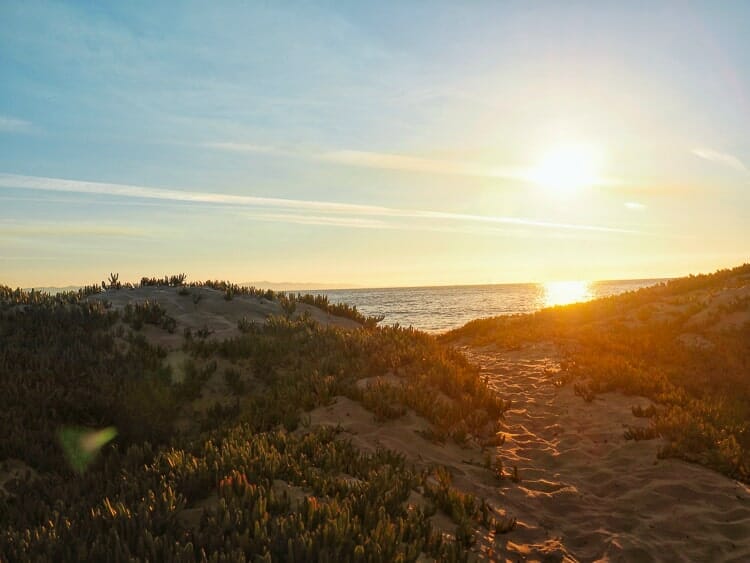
<point>567,168</point>
<point>564,292</point>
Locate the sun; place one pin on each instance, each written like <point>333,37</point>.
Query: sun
<point>567,168</point>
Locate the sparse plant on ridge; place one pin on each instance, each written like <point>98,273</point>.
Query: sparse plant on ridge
<point>112,282</point>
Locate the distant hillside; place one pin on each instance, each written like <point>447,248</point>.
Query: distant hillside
<point>274,286</point>
<point>298,286</point>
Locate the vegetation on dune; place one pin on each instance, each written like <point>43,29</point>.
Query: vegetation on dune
<point>640,343</point>
<point>336,309</point>
<point>288,301</point>
<point>169,281</point>
<point>145,503</point>
<point>148,312</point>
<point>18,297</point>
<point>236,483</point>
<point>302,364</point>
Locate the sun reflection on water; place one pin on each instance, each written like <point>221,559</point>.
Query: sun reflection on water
<point>564,292</point>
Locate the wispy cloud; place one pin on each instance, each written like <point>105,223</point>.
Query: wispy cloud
<point>721,158</point>
<point>634,205</point>
<point>328,221</point>
<point>13,125</point>
<point>342,211</point>
<point>383,161</point>
<point>388,161</point>
<point>17,229</point>
<point>505,231</point>
<point>33,258</point>
<point>253,148</point>
<point>400,162</point>
<point>125,190</point>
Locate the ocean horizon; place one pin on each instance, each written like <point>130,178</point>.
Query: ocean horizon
<point>444,307</point>
<point>441,308</point>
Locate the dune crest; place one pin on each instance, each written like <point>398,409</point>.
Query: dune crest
<point>203,307</point>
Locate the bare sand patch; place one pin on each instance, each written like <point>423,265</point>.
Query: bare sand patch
<point>405,435</point>
<point>294,493</point>
<point>692,340</point>
<point>191,517</point>
<point>715,313</point>
<point>324,318</point>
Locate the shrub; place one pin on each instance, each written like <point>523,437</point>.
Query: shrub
<point>233,379</point>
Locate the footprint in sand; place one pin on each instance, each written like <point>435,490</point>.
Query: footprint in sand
<point>588,494</point>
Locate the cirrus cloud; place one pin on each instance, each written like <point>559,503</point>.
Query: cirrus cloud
<point>721,158</point>
<point>13,125</point>
<point>347,214</point>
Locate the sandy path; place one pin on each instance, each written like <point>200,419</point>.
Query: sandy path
<point>588,494</point>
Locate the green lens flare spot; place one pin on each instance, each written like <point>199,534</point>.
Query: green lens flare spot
<point>80,445</point>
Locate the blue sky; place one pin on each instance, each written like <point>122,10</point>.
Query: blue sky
<point>371,143</point>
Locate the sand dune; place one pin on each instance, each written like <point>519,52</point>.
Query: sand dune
<point>583,492</point>
<point>209,309</point>
<point>588,494</point>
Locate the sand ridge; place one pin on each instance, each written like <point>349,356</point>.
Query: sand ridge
<point>204,307</point>
<point>588,494</point>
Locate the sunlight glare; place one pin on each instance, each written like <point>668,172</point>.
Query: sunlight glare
<point>565,292</point>
<point>567,168</point>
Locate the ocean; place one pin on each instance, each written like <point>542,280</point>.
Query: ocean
<point>436,309</point>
